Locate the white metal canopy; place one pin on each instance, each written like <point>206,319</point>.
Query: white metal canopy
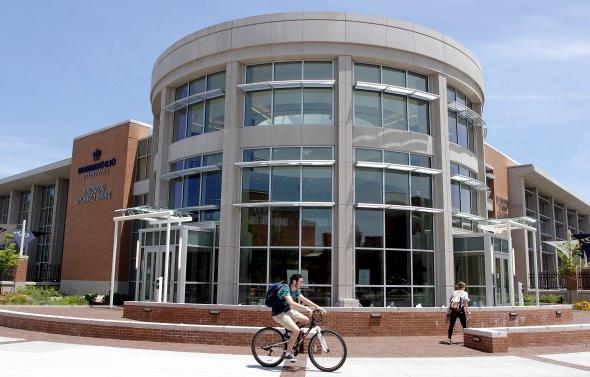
<point>154,216</point>
<point>508,224</point>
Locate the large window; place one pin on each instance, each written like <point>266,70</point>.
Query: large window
<point>205,107</point>
<point>469,260</point>
<point>376,109</point>
<point>4,202</point>
<point>45,224</point>
<point>463,197</point>
<point>303,102</point>
<point>461,130</point>
<point>143,160</point>
<point>196,182</point>
<point>277,241</point>
<point>23,206</point>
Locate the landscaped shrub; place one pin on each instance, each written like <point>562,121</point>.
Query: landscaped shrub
<point>40,296</point>
<point>582,305</point>
<point>69,300</point>
<point>544,299</point>
<point>14,299</point>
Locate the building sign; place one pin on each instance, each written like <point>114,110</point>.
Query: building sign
<point>94,193</point>
<point>98,167</point>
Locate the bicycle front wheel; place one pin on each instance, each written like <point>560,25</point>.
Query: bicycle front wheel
<point>268,347</point>
<point>329,356</point>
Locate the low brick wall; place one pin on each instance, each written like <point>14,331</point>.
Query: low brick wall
<point>352,321</point>
<point>128,330</point>
<point>500,339</point>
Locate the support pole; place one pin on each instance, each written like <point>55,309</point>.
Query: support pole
<point>115,239</point>
<point>137,264</point>
<point>510,267</point>
<point>22,237</point>
<point>166,260</point>
<point>536,267</point>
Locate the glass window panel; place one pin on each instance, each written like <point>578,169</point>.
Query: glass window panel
<point>393,76</point>
<point>397,229</point>
<point>398,297</point>
<point>454,169</point>
<point>177,165</point>
<point>181,92</point>
<point>257,154</point>
<point>416,81</point>
<point>287,106</point>
<point>462,131</point>
<point>197,86</point>
<point>452,127</point>
<point>450,94</point>
<point>316,227</point>
<point>422,231</point>
<point>316,265</point>
<point>465,199</point>
<point>470,137</point>
<point>254,229</point>
<point>400,158</point>
<point>368,228</point>
<point>255,185</point>
<point>317,106</point>
<point>284,228</point>
<point>286,153</point>
<point>423,266</point>
<point>258,73</point>
<point>369,267</point>
<point>283,264</point>
<point>464,171</point>
<point>394,112</point>
<point>461,98</point>
<point>317,71</point>
<point>198,293</point>
<point>370,155</point>
<point>216,81</point>
<point>424,296</point>
<point>369,296</point>
<point>397,267</point>
<point>367,108</point>
<point>251,294</point>
<point>456,196</point>
<point>287,71</point>
<point>285,184</point>
<point>179,125</point>
<point>316,184</point>
<point>473,201</point>
<point>215,114</point>
<point>211,191</point>
<point>193,162</point>
<point>470,268</point>
<point>397,187</point>
<point>418,115</point>
<point>198,264</point>
<point>191,193</point>
<point>258,108</point>
<point>420,160</point>
<point>316,153</point>
<point>421,185</point>
<point>196,118</point>
<point>367,73</point>
<point>320,295</point>
<point>212,159</point>
<point>368,185</point>
<point>175,194</point>
<point>253,265</point>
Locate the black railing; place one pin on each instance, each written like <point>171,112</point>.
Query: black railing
<point>554,281</point>
<point>44,273</point>
<point>584,279</point>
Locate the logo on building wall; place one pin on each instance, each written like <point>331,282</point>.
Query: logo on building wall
<point>99,167</point>
<point>94,193</point>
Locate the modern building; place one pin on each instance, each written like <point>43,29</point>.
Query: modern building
<point>344,147</point>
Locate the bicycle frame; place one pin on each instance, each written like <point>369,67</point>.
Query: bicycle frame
<point>311,328</point>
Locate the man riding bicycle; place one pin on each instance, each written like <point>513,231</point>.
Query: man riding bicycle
<point>285,313</point>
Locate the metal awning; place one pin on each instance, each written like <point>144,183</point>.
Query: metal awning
<point>252,164</point>
<point>284,204</point>
<point>189,171</point>
<point>499,225</point>
<point>393,89</point>
<point>476,184</point>
<point>152,214</point>
<point>194,98</point>
<point>468,216</point>
<point>465,111</point>
<point>399,207</point>
<point>400,167</point>
<point>265,85</point>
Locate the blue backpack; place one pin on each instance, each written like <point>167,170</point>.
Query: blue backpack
<point>272,297</point>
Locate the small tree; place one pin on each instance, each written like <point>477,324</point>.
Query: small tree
<point>9,257</point>
<point>569,258</point>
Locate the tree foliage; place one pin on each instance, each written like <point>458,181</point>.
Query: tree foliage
<point>9,256</point>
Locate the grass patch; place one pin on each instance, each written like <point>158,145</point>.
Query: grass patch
<point>40,296</point>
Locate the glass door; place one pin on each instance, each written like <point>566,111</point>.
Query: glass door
<point>501,279</point>
<point>153,276</point>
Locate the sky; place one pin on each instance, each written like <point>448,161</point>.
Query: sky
<point>68,67</point>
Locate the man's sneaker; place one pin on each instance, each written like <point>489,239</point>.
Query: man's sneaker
<point>289,356</point>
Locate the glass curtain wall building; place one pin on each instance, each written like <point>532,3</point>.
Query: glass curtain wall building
<point>346,148</point>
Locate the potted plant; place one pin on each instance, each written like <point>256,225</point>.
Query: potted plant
<point>569,262</point>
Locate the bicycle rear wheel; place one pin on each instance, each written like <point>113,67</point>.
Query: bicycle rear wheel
<point>331,357</point>
<point>268,347</point>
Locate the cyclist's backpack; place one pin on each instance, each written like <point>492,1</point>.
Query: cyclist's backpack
<point>272,297</point>
<point>455,304</point>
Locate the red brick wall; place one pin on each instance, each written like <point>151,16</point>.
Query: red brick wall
<point>485,343</point>
<point>351,322</point>
<point>21,271</point>
<point>524,339</point>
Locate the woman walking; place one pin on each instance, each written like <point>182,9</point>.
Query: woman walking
<point>458,308</point>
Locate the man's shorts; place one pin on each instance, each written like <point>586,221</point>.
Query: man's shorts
<point>289,318</point>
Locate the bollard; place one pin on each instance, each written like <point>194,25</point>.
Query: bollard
<point>520,294</point>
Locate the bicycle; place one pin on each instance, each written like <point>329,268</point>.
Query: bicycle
<point>327,350</point>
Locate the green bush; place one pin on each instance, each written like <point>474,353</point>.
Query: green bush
<point>40,296</point>
<point>14,299</point>
<point>69,300</point>
<point>544,299</point>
